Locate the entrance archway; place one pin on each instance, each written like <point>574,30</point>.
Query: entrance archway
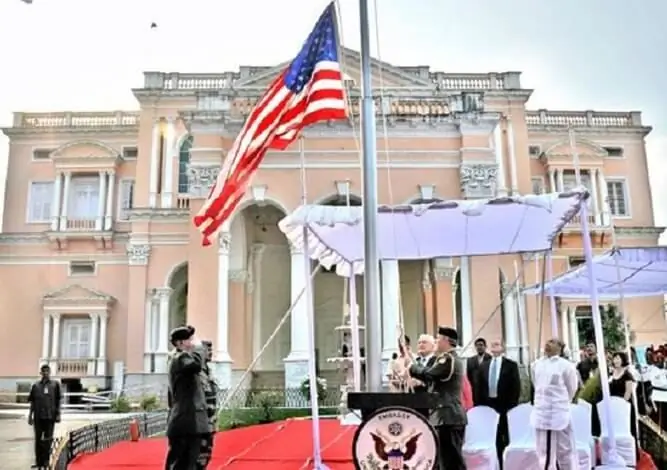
<point>330,299</point>
<point>178,303</point>
<point>268,265</point>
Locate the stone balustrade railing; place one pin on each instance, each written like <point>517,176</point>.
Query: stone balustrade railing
<point>217,81</point>
<point>67,119</point>
<point>546,118</point>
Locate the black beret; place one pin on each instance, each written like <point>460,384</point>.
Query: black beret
<point>181,333</point>
<point>448,332</point>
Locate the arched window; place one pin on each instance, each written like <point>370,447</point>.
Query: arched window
<point>183,161</point>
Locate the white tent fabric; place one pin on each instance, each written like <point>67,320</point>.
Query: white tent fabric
<point>443,229</point>
<point>632,271</point>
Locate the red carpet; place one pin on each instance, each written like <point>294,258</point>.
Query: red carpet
<point>287,445</point>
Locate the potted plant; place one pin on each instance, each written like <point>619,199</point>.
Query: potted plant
<point>321,385</point>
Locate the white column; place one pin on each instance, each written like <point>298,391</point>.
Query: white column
<point>595,196</point>
<point>148,331</point>
<point>511,325</point>
<point>222,337</point>
<point>55,343</point>
<point>296,362</point>
<point>552,181</point>
<point>155,162</point>
<point>94,336</point>
<point>561,180</point>
<point>565,327</point>
<point>102,355</point>
<point>574,333</point>
<point>500,159</point>
<point>101,200</point>
<point>466,303</point>
<point>514,178</point>
<point>163,320</point>
<point>57,193</point>
<point>161,329</point>
<point>391,308</point>
<point>222,366</point>
<point>299,317</point>
<point>65,203</point>
<point>46,332</point>
<point>168,159</point>
<point>606,208</point>
<point>108,218</point>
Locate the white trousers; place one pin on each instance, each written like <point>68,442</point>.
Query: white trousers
<point>557,449</point>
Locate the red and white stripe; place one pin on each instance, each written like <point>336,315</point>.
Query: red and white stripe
<point>274,123</point>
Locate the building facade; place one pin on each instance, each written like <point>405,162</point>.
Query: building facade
<point>99,257</point>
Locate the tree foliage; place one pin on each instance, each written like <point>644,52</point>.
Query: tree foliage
<point>613,329</point>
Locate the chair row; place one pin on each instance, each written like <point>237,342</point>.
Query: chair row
<point>480,439</point>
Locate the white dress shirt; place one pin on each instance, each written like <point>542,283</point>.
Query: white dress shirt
<point>494,375</point>
<point>555,381</point>
<point>423,360</point>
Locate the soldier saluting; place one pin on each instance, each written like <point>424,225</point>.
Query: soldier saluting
<point>443,380</point>
<point>188,421</point>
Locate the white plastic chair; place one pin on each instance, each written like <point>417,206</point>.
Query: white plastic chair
<point>583,435</point>
<point>521,452</point>
<point>625,443</point>
<point>479,448</point>
<point>589,408</point>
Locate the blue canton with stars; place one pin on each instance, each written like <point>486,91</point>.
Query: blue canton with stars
<point>321,45</point>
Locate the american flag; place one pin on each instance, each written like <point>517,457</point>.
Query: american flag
<point>309,90</point>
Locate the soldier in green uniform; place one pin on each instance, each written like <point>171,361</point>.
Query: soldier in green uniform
<point>211,395</point>
<point>443,379</point>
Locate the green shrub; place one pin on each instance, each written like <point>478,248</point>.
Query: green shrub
<point>121,405</point>
<point>149,403</point>
<point>22,390</point>
<point>241,417</point>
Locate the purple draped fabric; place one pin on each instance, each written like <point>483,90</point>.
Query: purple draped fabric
<point>437,230</point>
<point>634,272</point>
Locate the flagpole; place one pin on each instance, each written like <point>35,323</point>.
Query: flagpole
<point>370,207</point>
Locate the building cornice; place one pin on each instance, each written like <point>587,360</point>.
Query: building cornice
<point>639,232</point>
<point>158,215</point>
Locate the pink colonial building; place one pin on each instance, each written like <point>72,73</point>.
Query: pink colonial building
<point>99,257</point>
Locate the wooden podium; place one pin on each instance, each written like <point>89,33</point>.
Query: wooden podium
<point>369,403</point>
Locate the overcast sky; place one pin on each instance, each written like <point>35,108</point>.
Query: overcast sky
<point>576,54</point>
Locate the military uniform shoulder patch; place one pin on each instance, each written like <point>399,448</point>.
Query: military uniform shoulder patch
<point>443,359</point>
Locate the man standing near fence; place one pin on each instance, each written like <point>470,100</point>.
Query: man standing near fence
<point>211,395</point>
<point>187,421</point>
<point>44,399</point>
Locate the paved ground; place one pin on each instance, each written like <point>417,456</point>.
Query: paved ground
<point>16,439</point>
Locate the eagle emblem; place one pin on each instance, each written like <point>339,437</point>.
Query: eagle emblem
<point>393,451</point>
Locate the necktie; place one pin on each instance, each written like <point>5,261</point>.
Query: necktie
<point>420,360</point>
<point>493,378</point>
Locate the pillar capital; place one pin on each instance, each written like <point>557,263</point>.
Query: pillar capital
<point>224,243</point>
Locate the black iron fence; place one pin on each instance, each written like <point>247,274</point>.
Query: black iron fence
<point>96,437</point>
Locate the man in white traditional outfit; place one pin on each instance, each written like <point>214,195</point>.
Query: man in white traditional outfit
<point>555,381</point>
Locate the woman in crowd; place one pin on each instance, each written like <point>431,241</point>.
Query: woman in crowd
<point>622,384</point>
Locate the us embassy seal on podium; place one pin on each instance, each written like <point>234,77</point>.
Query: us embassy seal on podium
<point>395,438</point>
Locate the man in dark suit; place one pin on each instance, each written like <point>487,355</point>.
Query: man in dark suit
<point>188,422</point>
<point>472,368</point>
<point>500,389</point>
<point>588,365</point>
<point>426,358</point>
<point>45,400</point>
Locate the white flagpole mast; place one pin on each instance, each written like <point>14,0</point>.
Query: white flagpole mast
<point>370,207</point>
<point>312,369</point>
